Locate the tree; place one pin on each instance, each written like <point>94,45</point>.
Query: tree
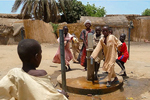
<point>146,12</point>
<point>94,11</point>
<point>77,10</point>
<point>46,10</point>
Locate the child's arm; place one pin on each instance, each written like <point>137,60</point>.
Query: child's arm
<point>8,89</point>
<point>96,50</point>
<point>65,42</point>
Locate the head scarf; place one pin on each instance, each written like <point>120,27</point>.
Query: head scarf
<point>87,21</point>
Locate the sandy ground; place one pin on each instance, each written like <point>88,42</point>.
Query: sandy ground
<point>136,87</point>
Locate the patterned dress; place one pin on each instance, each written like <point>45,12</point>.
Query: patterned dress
<point>82,55</point>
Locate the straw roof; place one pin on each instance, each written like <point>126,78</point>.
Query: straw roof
<point>135,15</point>
<point>94,20</point>
<point>8,25</point>
<point>143,17</point>
<point>128,16</point>
<point>113,21</point>
<point>14,16</point>
<point>116,21</point>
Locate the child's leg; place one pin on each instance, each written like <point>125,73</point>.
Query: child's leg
<point>124,68</point>
<point>120,64</point>
<point>85,64</point>
<point>111,74</point>
<point>96,69</point>
<point>69,67</point>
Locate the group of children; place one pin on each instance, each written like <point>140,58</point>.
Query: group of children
<point>28,83</point>
<point>106,46</point>
<point>109,44</point>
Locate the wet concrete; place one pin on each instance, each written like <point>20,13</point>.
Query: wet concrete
<point>79,83</point>
<point>131,90</point>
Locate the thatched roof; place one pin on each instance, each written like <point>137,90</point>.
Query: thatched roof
<point>94,20</point>
<point>143,17</point>
<point>136,15</point>
<point>114,21</point>
<point>8,26</point>
<point>14,16</point>
<point>128,16</point>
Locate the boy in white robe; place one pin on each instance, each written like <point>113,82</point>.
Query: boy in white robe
<point>108,43</point>
<point>27,83</point>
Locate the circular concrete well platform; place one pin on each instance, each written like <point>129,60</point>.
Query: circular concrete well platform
<point>77,82</point>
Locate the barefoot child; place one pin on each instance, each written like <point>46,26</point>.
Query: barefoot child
<point>28,83</point>
<point>96,39</point>
<point>84,36</point>
<point>108,43</point>
<point>68,54</point>
<point>122,55</point>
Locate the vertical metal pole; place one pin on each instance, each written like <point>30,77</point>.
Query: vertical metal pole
<point>62,54</point>
<point>22,33</point>
<point>129,42</point>
<point>89,50</point>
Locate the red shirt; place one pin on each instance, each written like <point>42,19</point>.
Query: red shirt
<point>123,55</point>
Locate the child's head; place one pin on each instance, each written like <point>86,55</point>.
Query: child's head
<point>29,51</point>
<point>65,29</point>
<point>98,30</point>
<point>122,37</point>
<point>87,24</point>
<point>110,31</point>
<point>105,31</point>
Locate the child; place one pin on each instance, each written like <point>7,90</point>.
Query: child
<point>110,31</point>
<point>108,43</point>
<point>122,55</point>
<point>96,39</point>
<point>84,36</point>
<point>68,54</point>
<point>75,48</point>
<point>28,83</point>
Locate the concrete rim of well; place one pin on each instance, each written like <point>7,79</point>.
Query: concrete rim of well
<point>77,83</point>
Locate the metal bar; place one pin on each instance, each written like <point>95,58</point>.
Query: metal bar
<point>129,42</point>
<point>22,34</point>
<point>62,55</point>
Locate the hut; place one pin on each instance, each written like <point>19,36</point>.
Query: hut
<point>11,26</point>
<point>141,30</point>
<point>9,31</point>
<point>40,31</point>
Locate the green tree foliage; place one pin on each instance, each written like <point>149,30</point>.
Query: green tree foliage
<point>46,10</point>
<point>73,13</point>
<point>55,26</point>
<point>94,11</point>
<point>146,12</point>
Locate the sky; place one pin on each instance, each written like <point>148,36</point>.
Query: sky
<point>111,6</point>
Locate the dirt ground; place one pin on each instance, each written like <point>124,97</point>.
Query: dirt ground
<point>136,87</point>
